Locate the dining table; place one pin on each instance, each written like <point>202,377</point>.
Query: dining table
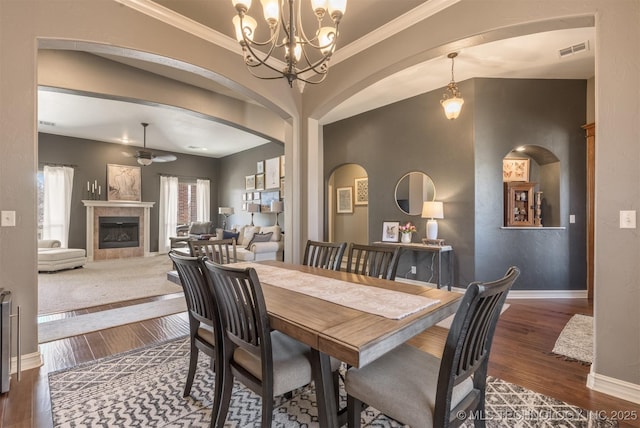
<point>353,318</point>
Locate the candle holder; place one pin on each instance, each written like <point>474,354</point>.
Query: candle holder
<point>94,191</point>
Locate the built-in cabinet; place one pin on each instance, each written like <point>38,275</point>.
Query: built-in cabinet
<point>519,204</point>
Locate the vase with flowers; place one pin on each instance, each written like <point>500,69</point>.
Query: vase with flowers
<point>406,232</point>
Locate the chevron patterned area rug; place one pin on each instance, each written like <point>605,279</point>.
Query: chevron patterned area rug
<point>144,388</point>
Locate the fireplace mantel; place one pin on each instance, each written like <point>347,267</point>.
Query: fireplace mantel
<point>91,205</point>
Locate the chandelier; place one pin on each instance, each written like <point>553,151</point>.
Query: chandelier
<point>452,100</point>
<point>306,58</point>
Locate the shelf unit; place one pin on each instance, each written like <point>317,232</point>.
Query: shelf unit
<point>519,204</point>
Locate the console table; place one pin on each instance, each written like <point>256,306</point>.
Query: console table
<point>437,251</point>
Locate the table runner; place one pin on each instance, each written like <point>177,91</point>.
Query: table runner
<point>378,301</point>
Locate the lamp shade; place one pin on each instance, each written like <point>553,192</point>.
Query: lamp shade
<point>432,209</point>
<point>277,206</point>
<point>452,107</point>
<point>225,210</point>
<point>253,208</point>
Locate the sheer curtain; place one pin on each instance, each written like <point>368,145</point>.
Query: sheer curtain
<point>168,213</point>
<point>203,200</point>
<point>58,186</point>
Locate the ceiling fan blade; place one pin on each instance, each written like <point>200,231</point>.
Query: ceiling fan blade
<point>164,158</point>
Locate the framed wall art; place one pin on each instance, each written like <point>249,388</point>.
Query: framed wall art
<point>362,191</point>
<point>250,182</point>
<point>272,173</point>
<point>344,196</point>
<point>123,183</point>
<point>260,167</point>
<point>259,181</point>
<point>515,169</point>
<point>390,231</point>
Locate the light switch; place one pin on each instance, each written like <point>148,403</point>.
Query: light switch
<point>8,218</point>
<point>572,218</point>
<point>628,219</point>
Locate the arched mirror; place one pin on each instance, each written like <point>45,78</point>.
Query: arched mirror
<point>412,190</point>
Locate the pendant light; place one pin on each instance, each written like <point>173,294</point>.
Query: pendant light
<point>452,100</point>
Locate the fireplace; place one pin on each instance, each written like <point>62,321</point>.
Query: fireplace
<point>118,232</point>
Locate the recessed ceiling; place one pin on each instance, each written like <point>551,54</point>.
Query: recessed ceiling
<point>176,130</point>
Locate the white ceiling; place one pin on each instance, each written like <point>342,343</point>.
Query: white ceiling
<point>180,131</point>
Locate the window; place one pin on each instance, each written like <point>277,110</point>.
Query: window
<point>187,202</point>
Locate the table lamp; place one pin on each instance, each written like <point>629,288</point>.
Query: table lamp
<point>226,212</point>
<point>253,208</point>
<point>432,210</point>
<point>277,207</point>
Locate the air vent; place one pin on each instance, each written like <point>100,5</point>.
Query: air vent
<point>45,123</point>
<point>580,47</point>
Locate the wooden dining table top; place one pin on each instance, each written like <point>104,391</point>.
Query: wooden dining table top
<point>350,335</point>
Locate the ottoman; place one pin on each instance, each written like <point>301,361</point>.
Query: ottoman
<point>55,259</point>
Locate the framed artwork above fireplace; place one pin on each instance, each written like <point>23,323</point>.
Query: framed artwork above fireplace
<point>123,183</point>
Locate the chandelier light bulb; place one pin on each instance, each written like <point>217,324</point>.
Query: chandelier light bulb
<point>271,11</point>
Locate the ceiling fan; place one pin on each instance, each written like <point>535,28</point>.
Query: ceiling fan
<point>146,157</point>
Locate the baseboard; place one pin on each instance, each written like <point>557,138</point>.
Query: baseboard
<point>615,387</point>
<point>516,294</point>
<point>28,361</point>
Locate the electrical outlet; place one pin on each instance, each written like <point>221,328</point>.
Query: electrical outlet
<point>413,270</point>
<point>8,218</point>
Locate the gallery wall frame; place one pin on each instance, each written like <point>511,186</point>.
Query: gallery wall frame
<point>259,181</point>
<point>250,182</point>
<point>361,191</point>
<point>344,200</point>
<point>272,173</point>
<point>124,183</point>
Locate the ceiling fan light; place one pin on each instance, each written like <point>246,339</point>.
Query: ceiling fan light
<point>145,161</point>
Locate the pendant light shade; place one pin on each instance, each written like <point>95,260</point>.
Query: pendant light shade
<point>452,99</point>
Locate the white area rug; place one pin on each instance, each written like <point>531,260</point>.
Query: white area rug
<point>576,339</point>
<point>81,324</point>
<point>143,388</point>
<point>104,282</point>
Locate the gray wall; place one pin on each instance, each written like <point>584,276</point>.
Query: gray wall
<point>464,159</point>
<point>348,227</point>
<point>90,159</point>
<point>233,170</point>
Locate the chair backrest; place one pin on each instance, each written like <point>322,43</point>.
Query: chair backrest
<point>221,251</point>
<point>468,345</point>
<point>196,286</point>
<point>373,260</point>
<point>244,314</point>
<point>326,255</point>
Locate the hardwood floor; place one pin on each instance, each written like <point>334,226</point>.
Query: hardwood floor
<point>521,350</point>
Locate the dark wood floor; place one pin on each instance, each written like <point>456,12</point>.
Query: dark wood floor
<point>524,339</point>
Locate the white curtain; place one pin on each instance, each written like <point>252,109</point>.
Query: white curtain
<point>58,186</point>
<point>203,200</point>
<point>168,213</point>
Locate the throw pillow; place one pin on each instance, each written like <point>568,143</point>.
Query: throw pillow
<point>259,237</point>
<point>274,229</point>
<point>247,234</point>
<point>227,234</point>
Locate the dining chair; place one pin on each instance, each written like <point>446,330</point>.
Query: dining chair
<point>204,330</point>
<point>222,251</point>
<point>373,260</point>
<point>268,362</point>
<point>421,390</point>
<point>326,255</point>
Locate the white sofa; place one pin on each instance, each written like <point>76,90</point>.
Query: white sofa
<point>52,258</point>
<point>257,251</point>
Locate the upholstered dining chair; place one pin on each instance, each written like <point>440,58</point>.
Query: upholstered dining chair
<point>326,255</point>
<point>268,362</point>
<point>422,390</point>
<point>373,260</point>
<point>222,251</point>
<point>204,332</point>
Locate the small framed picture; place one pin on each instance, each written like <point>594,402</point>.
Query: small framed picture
<point>260,167</point>
<point>390,231</point>
<point>244,207</point>
<point>515,169</point>
<point>244,196</point>
<point>260,182</point>
<point>256,196</point>
<point>362,191</point>
<point>250,182</point>
<point>344,203</point>
<point>272,173</point>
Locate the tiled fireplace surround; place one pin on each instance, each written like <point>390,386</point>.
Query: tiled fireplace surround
<point>97,209</point>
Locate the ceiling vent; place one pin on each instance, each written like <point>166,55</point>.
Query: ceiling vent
<point>45,123</point>
<point>571,50</point>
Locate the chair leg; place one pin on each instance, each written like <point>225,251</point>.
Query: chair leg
<point>354,407</point>
<point>224,388</point>
<point>267,410</point>
<point>193,362</point>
